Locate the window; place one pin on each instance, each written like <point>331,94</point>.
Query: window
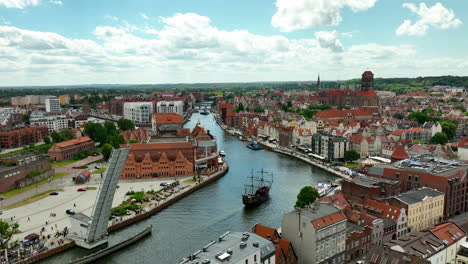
<point>397,175</point>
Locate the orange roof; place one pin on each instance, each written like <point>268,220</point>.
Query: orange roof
<point>72,142</point>
<point>328,220</point>
<point>336,199</point>
<point>157,146</point>
<point>168,118</point>
<point>449,231</point>
<point>335,113</point>
<point>265,231</point>
<point>399,153</point>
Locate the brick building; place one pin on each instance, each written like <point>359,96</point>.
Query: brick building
<point>447,176</point>
<point>19,137</point>
<point>343,116</point>
<point>67,149</point>
<point>394,218</point>
<point>227,114</point>
<point>159,160</point>
<point>285,136</point>
<point>366,98</point>
<point>167,124</point>
<point>363,187</point>
<point>14,170</point>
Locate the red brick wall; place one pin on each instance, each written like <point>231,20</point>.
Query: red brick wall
<point>10,182</point>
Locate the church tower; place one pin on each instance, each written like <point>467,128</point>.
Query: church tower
<point>318,83</point>
<point>367,81</point>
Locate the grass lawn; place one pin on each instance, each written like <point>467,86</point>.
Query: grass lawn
<point>62,163</point>
<point>99,171</point>
<point>91,188</point>
<point>33,199</point>
<point>14,192</point>
<point>351,165</point>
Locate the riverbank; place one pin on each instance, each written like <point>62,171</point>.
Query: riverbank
<point>339,171</point>
<point>151,209</point>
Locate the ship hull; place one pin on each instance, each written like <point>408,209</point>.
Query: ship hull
<point>252,200</point>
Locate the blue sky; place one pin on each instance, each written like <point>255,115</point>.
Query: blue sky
<point>53,42</point>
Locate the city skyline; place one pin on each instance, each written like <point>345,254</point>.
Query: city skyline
<point>66,43</point>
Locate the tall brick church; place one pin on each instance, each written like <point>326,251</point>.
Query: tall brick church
<point>366,98</point>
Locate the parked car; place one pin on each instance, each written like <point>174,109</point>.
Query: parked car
<point>81,190</point>
<point>163,184</point>
<point>70,211</point>
<point>94,155</point>
<point>53,193</point>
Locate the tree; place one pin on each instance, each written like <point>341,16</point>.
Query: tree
<point>47,139</point>
<point>351,155</point>
<point>106,151</point>
<point>306,196</point>
<point>420,117</point>
<point>56,136</point>
<point>132,141</point>
<point>7,231</point>
<point>110,127</point>
<point>399,115</point>
<point>449,127</point>
<point>125,124</point>
<point>439,138</point>
<point>96,132</point>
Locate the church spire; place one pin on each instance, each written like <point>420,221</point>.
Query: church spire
<point>318,82</point>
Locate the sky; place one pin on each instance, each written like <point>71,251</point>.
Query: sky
<point>65,42</point>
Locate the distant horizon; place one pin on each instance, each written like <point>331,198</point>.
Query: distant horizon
<point>211,83</point>
<point>65,42</point>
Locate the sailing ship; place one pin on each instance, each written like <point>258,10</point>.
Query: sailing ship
<point>258,190</point>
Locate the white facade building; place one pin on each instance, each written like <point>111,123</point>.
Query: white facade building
<point>52,105</point>
<point>138,112</point>
<point>171,107</point>
<point>52,122</point>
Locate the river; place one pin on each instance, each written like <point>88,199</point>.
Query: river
<point>189,224</point>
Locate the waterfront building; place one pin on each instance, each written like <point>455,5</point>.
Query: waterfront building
<point>302,137</point>
<point>285,253</point>
<point>19,137</point>
<point>152,160</point>
<point>68,149</point>
<point>318,233</point>
<point>437,245</point>
<point>227,114</point>
<point>329,146</point>
<point>138,112</point>
<point>171,107</point>
<point>167,124</point>
<point>447,176</point>
<point>285,136</point>
<point>52,104</point>
<point>141,135</point>
<point>424,207</point>
<point>14,170</point>
<point>235,248</point>
<point>52,122</point>
<point>362,187</point>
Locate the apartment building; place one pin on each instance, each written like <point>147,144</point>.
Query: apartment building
<point>138,112</point>
<point>329,146</point>
<point>52,104</point>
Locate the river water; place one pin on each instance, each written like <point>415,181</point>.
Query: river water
<point>189,224</point>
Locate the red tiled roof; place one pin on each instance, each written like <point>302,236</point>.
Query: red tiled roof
<point>336,199</point>
<point>399,153</point>
<point>335,113</point>
<point>368,73</point>
<point>449,232</point>
<point>150,146</point>
<point>463,143</point>
<point>73,142</point>
<point>328,220</point>
<point>168,118</point>
<point>385,210</point>
<point>265,231</point>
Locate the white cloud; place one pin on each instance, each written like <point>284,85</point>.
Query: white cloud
<point>436,16</point>
<point>18,3</point>
<point>188,48</point>
<point>56,2</point>
<point>293,15</point>
<point>144,16</point>
<point>329,40</point>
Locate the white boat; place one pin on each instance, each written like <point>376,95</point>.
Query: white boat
<point>222,153</point>
<point>323,188</point>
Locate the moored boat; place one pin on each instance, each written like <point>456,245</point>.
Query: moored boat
<point>222,153</point>
<point>254,146</point>
<point>323,188</point>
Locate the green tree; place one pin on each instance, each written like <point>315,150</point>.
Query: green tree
<point>449,127</point>
<point>66,134</point>
<point>420,117</point>
<point>460,107</point>
<point>132,141</point>
<point>110,128</point>
<point>56,137</point>
<point>96,132</point>
<point>47,139</point>
<point>399,115</point>
<point>439,138</point>
<point>306,196</point>
<point>7,230</point>
<point>351,155</point>
<point>106,151</point>
<point>125,124</point>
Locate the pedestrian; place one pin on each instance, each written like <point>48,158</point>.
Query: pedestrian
<point>74,205</point>
<point>29,219</point>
